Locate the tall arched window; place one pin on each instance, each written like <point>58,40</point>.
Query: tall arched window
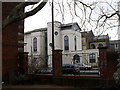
<point>66,42</point>
<point>75,43</point>
<point>35,44</point>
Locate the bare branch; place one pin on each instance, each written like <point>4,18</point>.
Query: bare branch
<point>61,10</point>
<point>70,9</point>
<point>106,17</point>
<point>75,4</point>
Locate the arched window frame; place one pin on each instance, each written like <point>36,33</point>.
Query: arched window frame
<point>92,46</point>
<point>100,45</point>
<point>35,44</point>
<point>66,42</point>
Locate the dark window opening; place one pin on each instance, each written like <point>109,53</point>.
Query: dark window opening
<point>92,46</point>
<point>75,43</point>
<point>76,59</point>
<point>92,58</point>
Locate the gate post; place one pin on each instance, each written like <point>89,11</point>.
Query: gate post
<point>103,61</point>
<point>57,62</point>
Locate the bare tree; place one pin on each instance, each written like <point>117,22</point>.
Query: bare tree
<point>117,73</point>
<point>91,15</point>
<point>97,16</point>
<point>18,13</point>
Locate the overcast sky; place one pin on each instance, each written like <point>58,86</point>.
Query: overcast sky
<point>40,19</point>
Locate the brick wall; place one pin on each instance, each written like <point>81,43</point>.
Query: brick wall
<point>10,43</point>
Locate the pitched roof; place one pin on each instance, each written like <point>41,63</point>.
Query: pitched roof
<point>74,26</point>
<point>86,34</point>
<point>36,30</point>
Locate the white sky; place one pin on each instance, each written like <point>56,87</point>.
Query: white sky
<point>40,19</point>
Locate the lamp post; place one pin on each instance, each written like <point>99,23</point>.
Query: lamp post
<point>56,54</point>
<point>53,36</point>
<point>52,26</point>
